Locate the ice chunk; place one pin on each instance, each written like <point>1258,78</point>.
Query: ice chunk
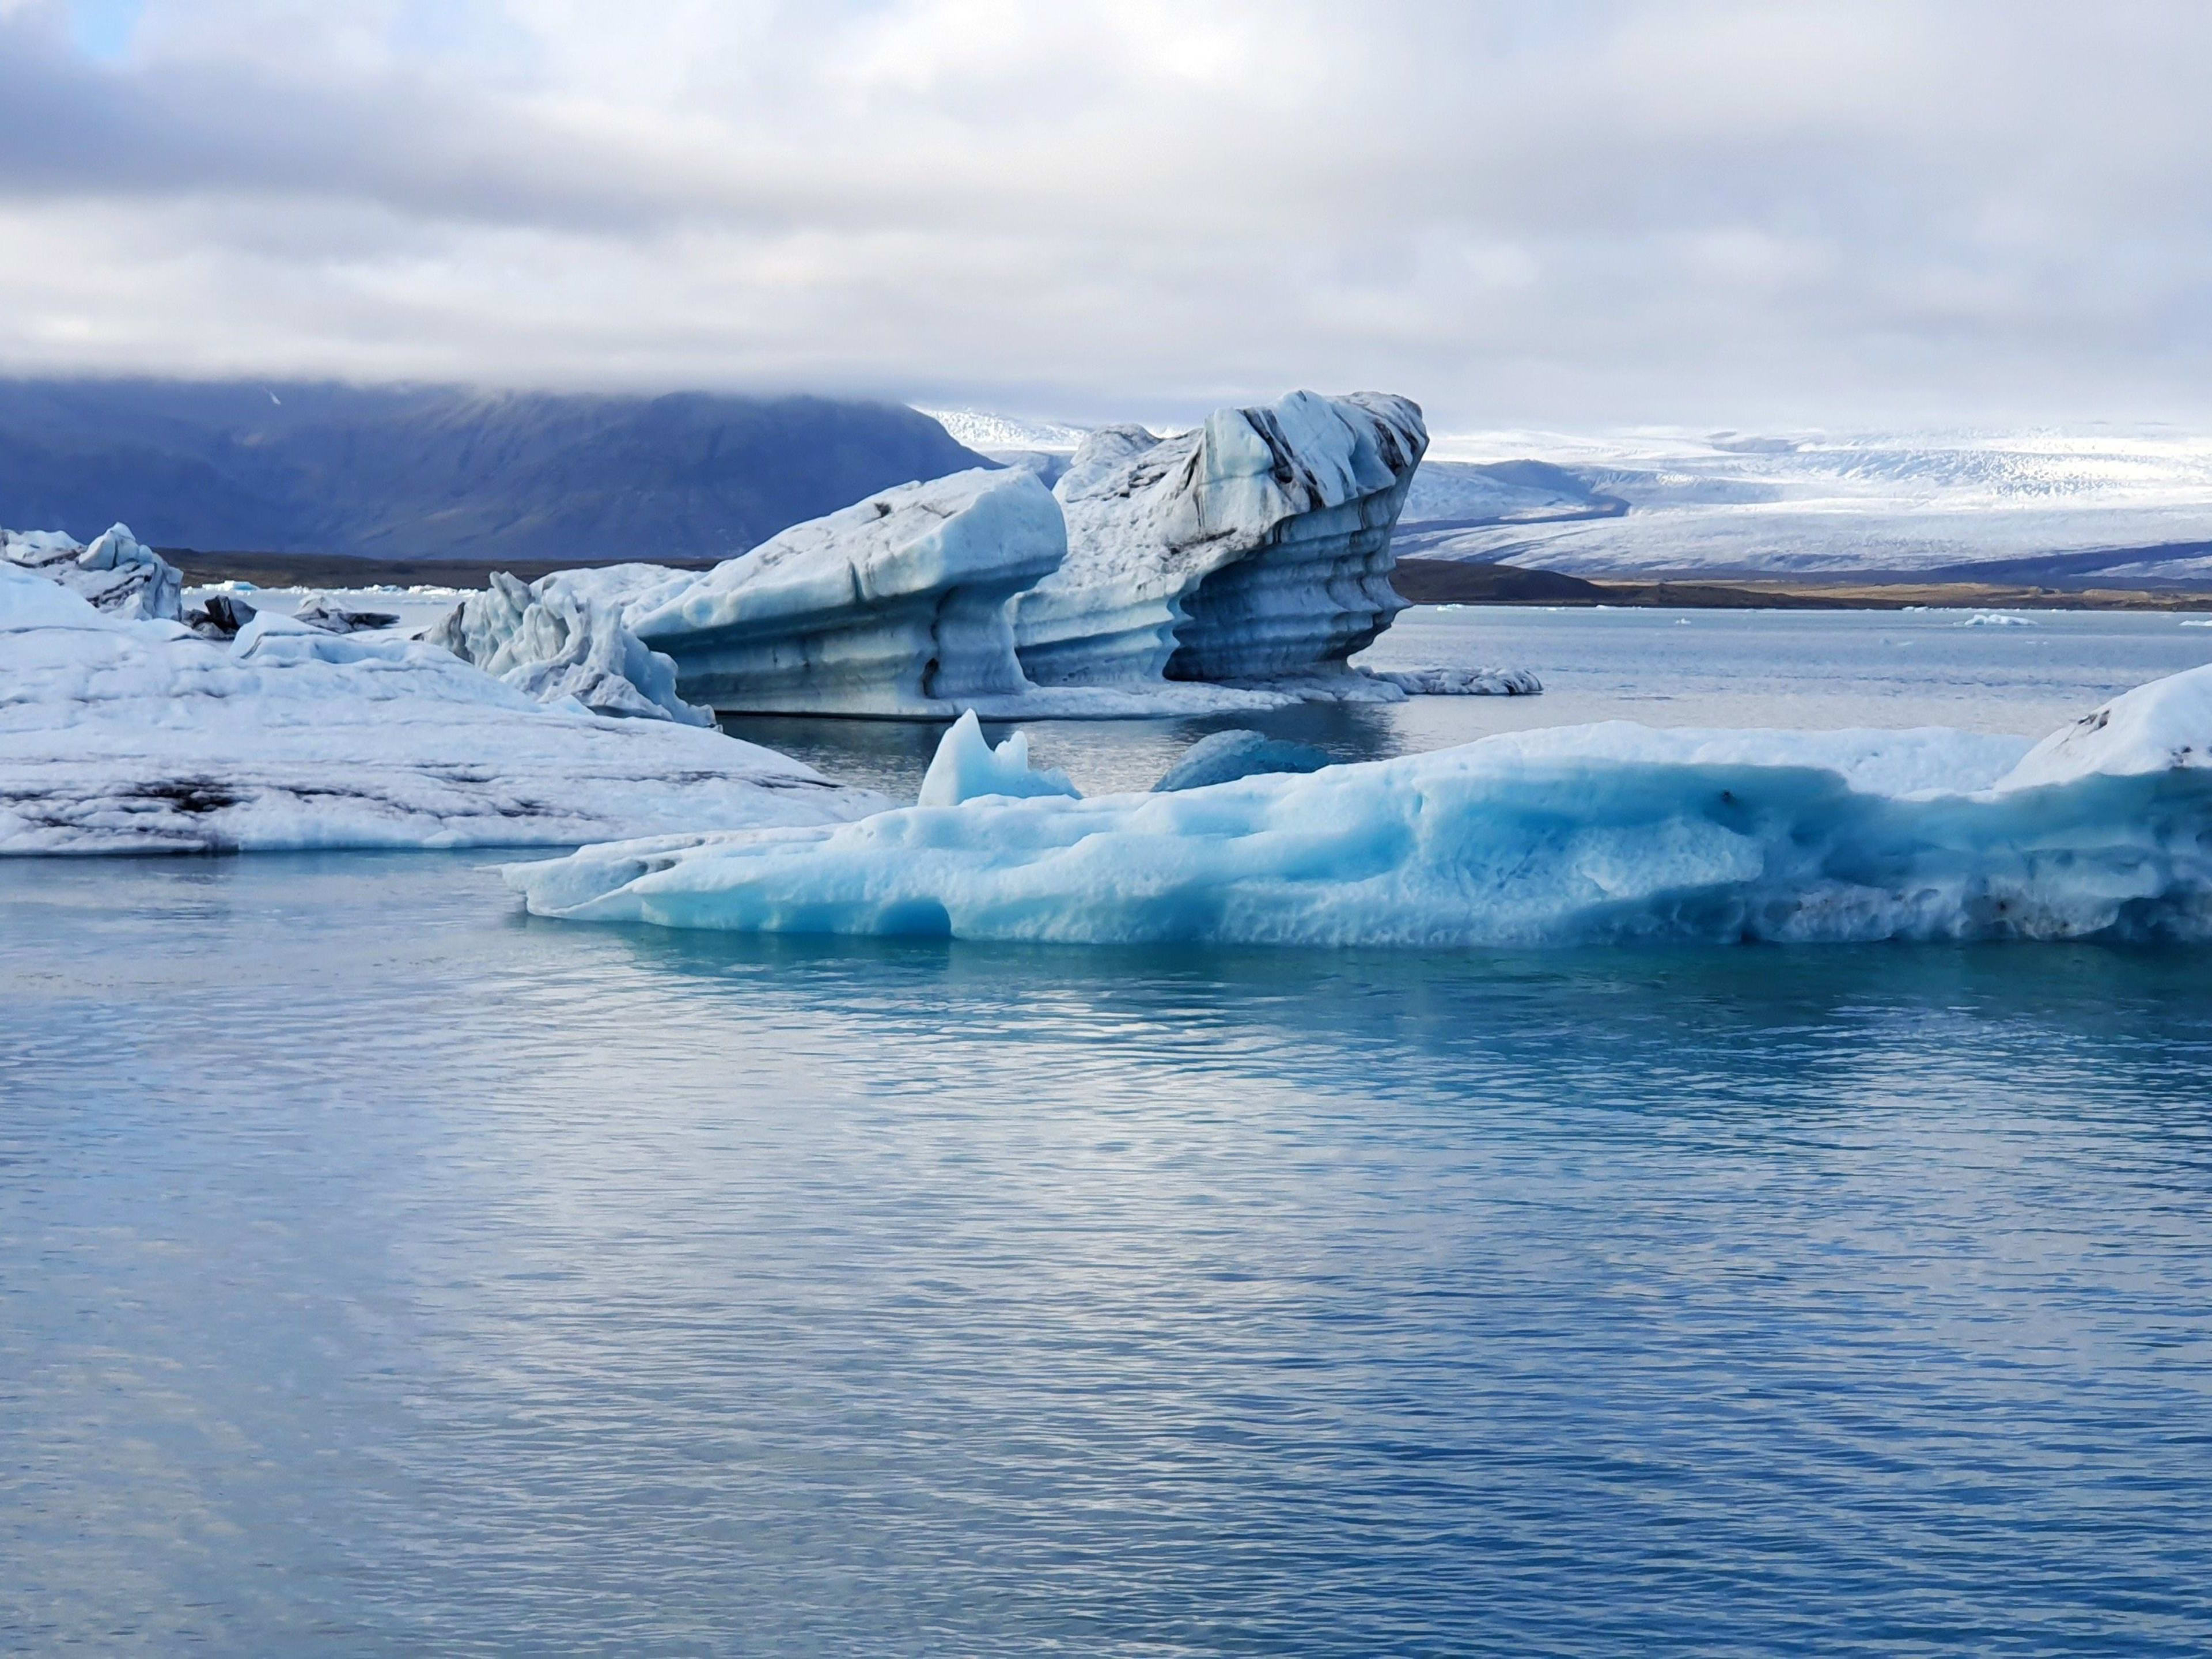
<point>1462,681</point>
<point>324,613</point>
<point>1254,547</point>
<point>559,640</point>
<point>118,574</point>
<point>1597,832</point>
<point>967,768</point>
<point>220,616</point>
<point>1227,756</point>
<point>123,736</point>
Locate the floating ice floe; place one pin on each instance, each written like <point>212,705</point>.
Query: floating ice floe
<point>118,574</point>
<point>1997,619</point>
<point>1253,548</point>
<point>1462,681</point>
<point>1593,833</point>
<point>129,736</point>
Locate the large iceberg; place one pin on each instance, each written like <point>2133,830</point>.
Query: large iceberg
<point>1593,833</point>
<point>1256,547</point>
<point>132,736</point>
<point>896,605</point>
<point>118,574</point>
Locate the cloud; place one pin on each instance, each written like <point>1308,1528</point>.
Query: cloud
<point>1584,213</point>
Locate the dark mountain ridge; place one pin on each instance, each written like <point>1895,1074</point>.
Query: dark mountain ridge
<point>445,472</point>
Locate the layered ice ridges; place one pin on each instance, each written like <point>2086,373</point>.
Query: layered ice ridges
<point>1581,835</point>
<point>897,606</point>
<point>1255,547</point>
<point>1236,567</point>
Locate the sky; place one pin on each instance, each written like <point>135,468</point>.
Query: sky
<point>1578,214</point>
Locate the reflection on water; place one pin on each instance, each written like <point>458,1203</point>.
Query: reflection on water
<point>385,1271</point>
<point>1102,757</point>
<point>1817,669</point>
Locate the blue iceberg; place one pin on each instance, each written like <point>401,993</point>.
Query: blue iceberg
<point>1609,832</point>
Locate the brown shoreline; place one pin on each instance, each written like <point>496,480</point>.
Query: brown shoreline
<point>1445,581</point>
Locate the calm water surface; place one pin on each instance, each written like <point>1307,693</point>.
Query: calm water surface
<point>1817,669</point>
<point>384,1272</point>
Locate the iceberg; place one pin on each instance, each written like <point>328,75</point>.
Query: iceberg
<point>1253,548</point>
<point>118,574</point>
<point>967,768</point>
<point>557,640</point>
<point>123,735</point>
<point>896,605</point>
<point>1608,832</point>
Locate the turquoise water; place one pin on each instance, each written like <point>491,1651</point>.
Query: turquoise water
<point>384,1272</point>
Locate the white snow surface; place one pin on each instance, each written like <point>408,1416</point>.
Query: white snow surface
<point>1604,832</point>
<point>2164,726</point>
<point>122,735</point>
<point>1255,547</point>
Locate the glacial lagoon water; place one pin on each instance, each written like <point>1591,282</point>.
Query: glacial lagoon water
<point>1815,669</point>
<point>382,1271</point>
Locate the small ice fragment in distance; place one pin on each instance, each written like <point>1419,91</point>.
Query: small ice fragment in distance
<point>324,613</point>
<point>1462,681</point>
<point>967,768</point>
<point>2201,622</point>
<point>1996,619</point>
<point>1227,756</point>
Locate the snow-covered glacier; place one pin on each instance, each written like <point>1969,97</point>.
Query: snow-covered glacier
<point>1256,547</point>
<point>123,735</point>
<point>1585,834</point>
<point>2095,508</point>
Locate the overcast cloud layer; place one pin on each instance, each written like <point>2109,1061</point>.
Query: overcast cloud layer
<point>1572,214</point>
